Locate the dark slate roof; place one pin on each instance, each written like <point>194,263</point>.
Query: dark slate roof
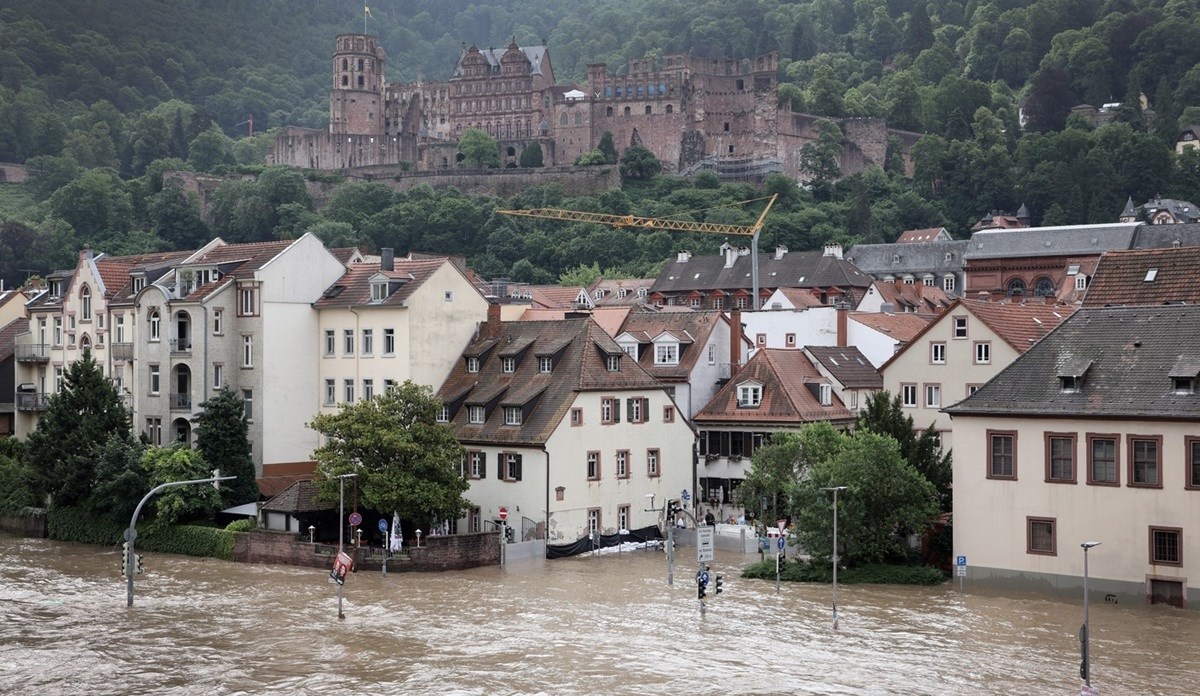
<point>847,365</point>
<point>301,496</point>
<point>804,269</point>
<point>1131,351</point>
<point>8,336</point>
<point>1122,278</point>
<point>925,257</point>
<point>1164,236</point>
<point>581,346</point>
<point>1050,241</point>
<point>353,289</point>
<point>691,328</point>
<point>1184,211</point>
<point>788,380</point>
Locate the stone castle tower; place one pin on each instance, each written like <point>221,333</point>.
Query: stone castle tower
<point>356,98</point>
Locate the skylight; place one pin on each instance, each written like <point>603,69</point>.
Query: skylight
<point>1151,275</point>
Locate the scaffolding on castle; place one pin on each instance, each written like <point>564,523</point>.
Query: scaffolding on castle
<point>736,169</point>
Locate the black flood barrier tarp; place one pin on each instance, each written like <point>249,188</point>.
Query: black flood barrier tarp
<point>603,541</point>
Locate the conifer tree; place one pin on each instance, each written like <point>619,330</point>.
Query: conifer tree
<point>222,436</point>
<point>607,148</point>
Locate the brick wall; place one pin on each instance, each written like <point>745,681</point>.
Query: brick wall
<point>435,554</point>
<point>31,525</point>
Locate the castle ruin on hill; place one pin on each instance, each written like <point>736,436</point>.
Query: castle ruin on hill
<point>692,113</point>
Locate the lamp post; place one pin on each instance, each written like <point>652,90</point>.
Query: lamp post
<point>311,528</point>
<point>341,527</point>
<point>1084,663</point>
<point>418,538</point>
<point>835,490</point>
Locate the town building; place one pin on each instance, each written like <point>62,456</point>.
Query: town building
<point>794,324</point>
<point>1162,211</point>
<point>619,292</point>
<point>879,335</point>
<point>1091,435</point>
<point>958,352</point>
<point>1146,277</point>
<point>563,428</point>
<point>853,377</point>
<point>1188,139</point>
<point>935,263</point>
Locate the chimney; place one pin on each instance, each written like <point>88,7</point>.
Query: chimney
<point>780,252</point>
<point>491,327</point>
<point>387,259</point>
<point>833,249</point>
<point>843,313</point>
<point>730,253</point>
<point>735,341</point>
<point>683,257</point>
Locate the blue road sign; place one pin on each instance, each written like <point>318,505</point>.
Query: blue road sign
<point>779,543</point>
<point>383,526</point>
<point>704,577</point>
<point>683,495</point>
<point>962,561</point>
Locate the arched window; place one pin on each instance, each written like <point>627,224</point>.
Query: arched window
<point>647,109</point>
<point>670,109</point>
<point>155,325</point>
<point>1016,288</point>
<point>562,119</point>
<point>1044,287</point>
<point>627,111</point>
<point>608,111</point>
<point>85,342</point>
<point>345,63</point>
<point>85,301</point>
<point>578,119</point>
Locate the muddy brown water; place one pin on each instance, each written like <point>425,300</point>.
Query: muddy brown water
<point>603,624</point>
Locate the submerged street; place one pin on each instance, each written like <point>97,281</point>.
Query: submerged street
<point>588,624</point>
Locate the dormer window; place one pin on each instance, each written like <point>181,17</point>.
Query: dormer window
<point>666,354</point>
<point>472,364</point>
<point>508,365</point>
<point>443,415</point>
<point>55,289</point>
<point>138,284</point>
<point>545,364</point>
<point>599,294</point>
<point>1151,275</point>
<point>622,293</point>
<point>379,291</point>
<point>512,415</point>
<point>475,415</point>
<point>749,395</point>
<point>614,363</point>
<point>1070,383</point>
<point>826,395</point>
<point>641,292</point>
<point>1184,385</point>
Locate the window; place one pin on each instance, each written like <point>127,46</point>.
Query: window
<point>478,462</point>
<point>576,417</point>
<point>155,327</point>
<point>593,466</point>
<point>58,380</point>
<point>248,404</point>
<point>609,410</point>
<point>960,327</point>
<point>154,430</point>
<point>908,395</point>
<point>330,342</point>
<point>1183,385</point>
<point>623,511</point>
<point>760,339</point>
<point>248,301</point>
<point>389,341</point>
<point>443,415</point>
<point>614,363</point>
<point>475,415</point>
<point>622,463</point>
<point>1060,457</point>
<point>368,389</point>
<point>948,283</point>
<point>388,385</point>
<point>545,364</point>
<point>594,513</point>
<point>666,354</point>
<point>472,364</point>
<point>1102,459</point>
<point>933,396</point>
<point>826,394</point>
<point>155,381</point>
<point>348,390</point>
<point>652,462</point>
<point>1145,463</point>
<point>347,342</point>
<point>712,355</point>
<point>476,517</point>
<point>636,409</point>
<point>937,353</point>
<point>512,466</point>
<point>218,322</point>
<point>218,375</point>
<point>512,415</point>
<point>749,395</point>
<point>1040,536</point>
<point>668,414</point>
<point>983,352</point>
<point>247,351</point>
<point>379,292</point>
<point>138,284</point>
<point>508,365</point>
<point>368,341</point>
<point>85,300</point>
<point>1081,282</point>
<point>1002,454</point>
<point>789,340</point>
<point>1191,449</point>
<point>330,392</point>
<point>1166,546</point>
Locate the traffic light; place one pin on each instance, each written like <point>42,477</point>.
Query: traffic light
<point>125,558</point>
<point>672,509</point>
<point>700,587</point>
<point>137,559</point>
<point>717,586</point>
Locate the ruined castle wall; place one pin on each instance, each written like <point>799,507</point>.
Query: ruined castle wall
<point>311,149</point>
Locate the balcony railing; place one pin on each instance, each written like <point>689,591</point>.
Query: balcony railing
<point>181,345</point>
<point>27,401</point>
<point>181,402</point>
<point>122,351</point>
<point>33,352</point>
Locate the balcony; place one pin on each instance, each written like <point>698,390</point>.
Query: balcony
<point>32,401</point>
<point>33,352</point>
<point>181,402</point>
<point>181,345</point>
<point>122,351</point>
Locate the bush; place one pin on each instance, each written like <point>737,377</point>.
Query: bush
<point>74,524</point>
<point>871,574</point>
<point>242,525</point>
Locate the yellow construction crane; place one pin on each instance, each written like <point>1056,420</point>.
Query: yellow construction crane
<point>622,221</point>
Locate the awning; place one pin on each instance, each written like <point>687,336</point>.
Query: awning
<point>247,510</point>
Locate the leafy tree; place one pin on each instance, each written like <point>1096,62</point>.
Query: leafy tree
<point>178,462</point>
<point>121,480</point>
<point>580,276</point>
<point>590,158</point>
<point>918,31</point>
<point>405,460</point>
<point>531,156</point>
<point>825,93</point>
<point>16,478</point>
<point>777,468</point>
<point>78,419</point>
<point>96,204</point>
<point>478,149</point>
<point>222,437</point>
<point>883,414</point>
<point>209,150</point>
<point>821,159</point>
<point>639,163</point>
<point>1050,99</point>
<point>885,498</point>
<point>607,148</point>
<point>175,217</point>
<point>48,174</point>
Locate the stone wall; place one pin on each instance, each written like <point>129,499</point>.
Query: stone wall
<point>576,181</point>
<point>32,524</point>
<point>435,553</point>
<point>13,173</point>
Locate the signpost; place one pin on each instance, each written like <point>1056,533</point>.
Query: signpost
<point>383,528</point>
<point>503,513</point>
<point>705,536</point>
<point>355,519</point>
<point>960,564</point>
<point>342,564</point>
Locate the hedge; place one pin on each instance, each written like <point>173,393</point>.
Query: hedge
<point>74,524</point>
<point>875,573</point>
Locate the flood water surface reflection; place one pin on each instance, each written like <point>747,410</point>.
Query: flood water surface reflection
<point>604,624</point>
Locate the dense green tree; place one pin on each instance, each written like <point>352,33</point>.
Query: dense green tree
<point>17,488</point>
<point>174,216</point>
<point>531,156</point>
<point>821,159</point>
<point>478,149</point>
<point>884,415</point>
<point>607,148</point>
<point>209,150</point>
<point>1050,99</point>
<point>777,468</point>
<point>590,158</point>
<point>580,276</point>
<point>826,92</point>
<point>82,416</point>
<point>405,460</point>
<point>178,462</point>
<point>96,204</point>
<point>918,31</point>
<point>121,480</point>
<point>638,163</point>
<point>223,438</point>
<point>48,174</point>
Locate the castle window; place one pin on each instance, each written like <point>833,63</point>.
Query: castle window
<point>608,92</point>
<point>647,109</point>
<point>662,88</point>
<point>360,64</point>
<point>618,91</point>
<point>360,80</point>
<point>345,81</point>
<point>727,126</point>
<point>741,85</point>
<point>627,111</point>
<point>670,109</point>
<point>640,90</point>
<point>579,119</point>
<point>608,111</point>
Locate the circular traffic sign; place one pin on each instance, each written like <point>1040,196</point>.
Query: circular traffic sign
<point>503,514</point>
<point>383,526</point>
<point>704,577</point>
<point>355,519</point>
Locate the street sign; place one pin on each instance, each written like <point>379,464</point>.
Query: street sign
<point>704,577</point>
<point>342,564</point>
<point>960,561</point>
<point>503,514</point>
<point>355,519</point>
<point>130,534</point>
<point>684,496</point>
<point>782,524</point>
<point>962,571</point>
<point>780,543</point>
<point>704,543</point>
<point>383,526</point>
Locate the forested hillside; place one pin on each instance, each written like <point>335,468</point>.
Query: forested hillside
<point>99,98</point>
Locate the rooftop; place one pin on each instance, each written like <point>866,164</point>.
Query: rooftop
<point>790,393</point>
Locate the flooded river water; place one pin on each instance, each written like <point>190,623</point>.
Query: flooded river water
<point>604,624</point>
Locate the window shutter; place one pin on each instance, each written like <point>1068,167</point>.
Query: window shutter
<point>629,409</point>
<point>645,410</point>
<point>616,411</point>
<point>483,465</point>
<point>516,466</point>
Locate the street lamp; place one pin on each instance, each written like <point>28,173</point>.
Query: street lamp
<point>311,528</point>
<point>835,490</point>
<point>1084,664</point>
<point>341,527</point>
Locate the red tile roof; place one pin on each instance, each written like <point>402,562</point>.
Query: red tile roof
<point>902,327</point>
<point>786,376</point>
<point>1020,325</point>
<point>802,297</point>
<point>928,234</point>
<point>1122,278</point>
<point>114,270</point>
<point>692,328</point>
<point>554,296</point>
<point>353,289</point>
<point>919,298</point>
